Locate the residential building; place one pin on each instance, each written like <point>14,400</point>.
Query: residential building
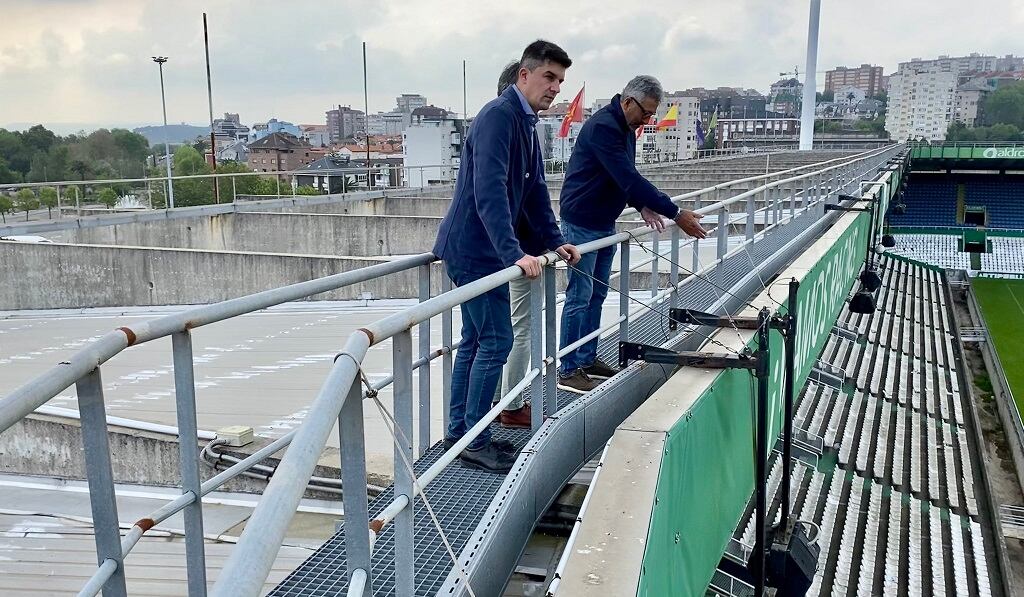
<point>228,130</point>
<point>326,174</point>
<point>678,142</point>
<point>433,146</point>
<point>236,151</point>
<point>316,135</point>
<point>866,77</point>
<point>344,122</point>
<point>786,96</point>
<point>963,64</point>
<point>921,101</point>
<point>279,152</point>
<point>386,123</point>
<point>967,101</point>
<point>407,102</point>
<point>729,102</point>
<point>738,132</point>
<point>263,129</point>
<point>848,95</point>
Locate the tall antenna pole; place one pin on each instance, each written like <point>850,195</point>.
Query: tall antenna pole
<point>209,96</point>
<point>366,121</point>
<point>465,104</point>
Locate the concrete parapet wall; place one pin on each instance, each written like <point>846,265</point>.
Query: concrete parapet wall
<point>56,276</point>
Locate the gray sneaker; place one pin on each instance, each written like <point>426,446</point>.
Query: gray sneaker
<point>577,382</point>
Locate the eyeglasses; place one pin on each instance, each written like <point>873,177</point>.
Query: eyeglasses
<point>646,114</point>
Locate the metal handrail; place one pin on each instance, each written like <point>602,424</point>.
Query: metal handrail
<point>250,562</point>
<point>29,396</point>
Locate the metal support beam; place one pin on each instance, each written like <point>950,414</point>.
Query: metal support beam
<point>536,347</point>
<point>405,560</point>
<point>446,358</point>
<point>423,372</point>
<point>673,267</point>
<point>550,344</point>
<point>188,456</point>
<point>624,290</point>
<point>96,449</point>
<point>656,250</point>
<point>353,482</point>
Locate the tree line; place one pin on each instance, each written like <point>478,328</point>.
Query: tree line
<point>1001,118</point>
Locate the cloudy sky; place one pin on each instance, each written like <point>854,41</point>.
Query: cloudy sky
<point>71,63</point>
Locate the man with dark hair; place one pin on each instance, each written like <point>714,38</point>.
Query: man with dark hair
<point>508,76</point>
<point>499,191</point>
<point>600,180</point>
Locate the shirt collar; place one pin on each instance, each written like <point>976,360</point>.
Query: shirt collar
<point>526,105</point>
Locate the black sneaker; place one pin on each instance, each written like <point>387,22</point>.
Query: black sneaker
<point>578,382</point>
<point>600,370</point>
<point>501,444</point>
<point>488,458</point>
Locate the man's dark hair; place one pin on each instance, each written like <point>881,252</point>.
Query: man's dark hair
<point>540,51</point>
<point>508,76</point>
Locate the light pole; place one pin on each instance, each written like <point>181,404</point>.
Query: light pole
<point>160,60</point>
<point>810,86</point>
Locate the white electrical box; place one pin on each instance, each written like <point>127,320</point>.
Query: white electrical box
<point>235,435</point>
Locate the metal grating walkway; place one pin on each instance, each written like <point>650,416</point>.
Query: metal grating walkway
<point>460,496</point>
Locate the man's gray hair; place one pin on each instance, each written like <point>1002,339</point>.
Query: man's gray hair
<point>642,87</point>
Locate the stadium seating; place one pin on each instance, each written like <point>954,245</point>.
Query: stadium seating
<point>932,200</point>
<point>897,510</point>
<point>1006,257</point>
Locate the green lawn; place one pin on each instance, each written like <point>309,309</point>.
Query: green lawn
<point>1002,303</point>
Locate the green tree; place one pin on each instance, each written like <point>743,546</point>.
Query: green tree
<point>306,190</point>
<point>6,206</point>
<point>25,200</point>
<point>81,168</point>
<point>189,162</point>
<point>6,174</point>
<point>107,196</point>
<point>825,96</point>
<point>1005,106</point>
<point>48,197</point>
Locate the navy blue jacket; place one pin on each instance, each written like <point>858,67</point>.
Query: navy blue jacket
<point>501,209</point>
<point>602,178</point>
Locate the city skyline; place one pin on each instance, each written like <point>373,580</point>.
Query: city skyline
<point>87,61</point>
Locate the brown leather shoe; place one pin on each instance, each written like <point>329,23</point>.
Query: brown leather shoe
<point>520,418</point>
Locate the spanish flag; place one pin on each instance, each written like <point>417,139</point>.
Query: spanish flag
<point>671,119</point>
<point>575,114</point>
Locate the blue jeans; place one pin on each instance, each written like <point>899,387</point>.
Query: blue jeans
<point>584,297</point>
<point>486,343</point>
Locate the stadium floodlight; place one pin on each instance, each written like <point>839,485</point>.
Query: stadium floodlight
<point>862,303</point>
<point>870,279</point>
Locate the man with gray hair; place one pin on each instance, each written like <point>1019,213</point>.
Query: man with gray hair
<point>600,181</point>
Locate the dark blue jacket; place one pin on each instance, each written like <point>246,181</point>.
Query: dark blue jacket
<point>500,190</point>
<point>602,178</point>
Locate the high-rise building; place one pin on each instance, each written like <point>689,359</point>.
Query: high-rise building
<point>677,142</point>
<point>867,77</point>
<point>344,122</point>
<point>920,102</point>
<point>433,146</point>
<point>407,102</point>
<point>786,96</point>
<point>228,130</point>
<point>923,93</point>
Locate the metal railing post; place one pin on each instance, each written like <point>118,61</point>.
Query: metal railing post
<point>96,450</point>
<point>656,250</point>
<point>780,198</point>
<point>550,343</point>
<point>188,452</point>
<point>351,439</point>
<point>405,559</point>
<point>624,290</point>
<point>424,371</point>
<point>749,227</point>
<point>673,267</point>
<point>536,347</point>
<point>446,359</point>
<point>723,233</point>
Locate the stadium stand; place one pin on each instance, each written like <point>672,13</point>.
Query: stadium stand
<point>936,200</point>
<point>894,491</point>
<point>1006,256</point>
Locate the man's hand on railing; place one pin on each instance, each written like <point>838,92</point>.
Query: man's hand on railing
<point>570,253</point>
<point>688,221</point>
<point>530,265</point>
<point>653,219</point>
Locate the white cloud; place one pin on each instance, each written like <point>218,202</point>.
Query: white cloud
<point>89,60</point>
